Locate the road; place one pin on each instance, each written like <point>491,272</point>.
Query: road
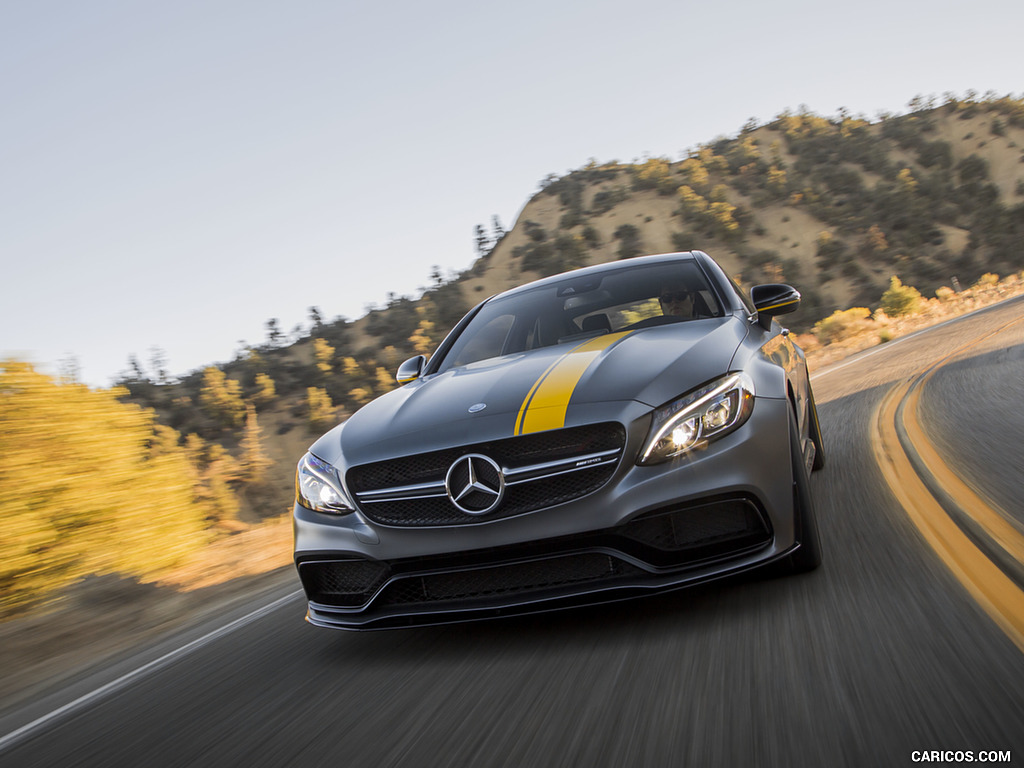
<point>879,654</point>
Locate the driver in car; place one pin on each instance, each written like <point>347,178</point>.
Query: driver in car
<point>676,301</point>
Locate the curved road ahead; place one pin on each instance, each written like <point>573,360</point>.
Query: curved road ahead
<point>881,653</point>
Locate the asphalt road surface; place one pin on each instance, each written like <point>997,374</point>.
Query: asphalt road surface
<point>879,655</point>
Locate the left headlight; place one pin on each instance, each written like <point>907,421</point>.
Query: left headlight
<point>318,487</point>
<point>705,414</point>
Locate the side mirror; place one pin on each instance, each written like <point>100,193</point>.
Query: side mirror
<point>773,299</point>
<point>411,369</point>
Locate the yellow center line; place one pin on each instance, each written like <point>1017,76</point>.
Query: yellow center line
<point>993,520</point>
<point>993,590</point>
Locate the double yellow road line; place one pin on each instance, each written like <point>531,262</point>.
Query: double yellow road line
<point>998,594</point>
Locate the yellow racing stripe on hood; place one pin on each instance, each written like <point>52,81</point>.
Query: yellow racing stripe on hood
<point>546,403</point>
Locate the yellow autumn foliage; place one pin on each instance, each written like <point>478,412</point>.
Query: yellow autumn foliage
<point>88,485</point>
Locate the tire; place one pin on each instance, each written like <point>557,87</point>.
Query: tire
<point>808,556</point>
<point>814,432</point>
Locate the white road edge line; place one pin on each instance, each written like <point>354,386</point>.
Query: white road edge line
<point>151,666</point>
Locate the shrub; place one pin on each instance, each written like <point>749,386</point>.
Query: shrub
<point>853,270</point>
<point>693,204</point>
<point>900,299</point>
<point>656,173</point>
<point>591,237</point>
<point>831,250</point>
<point>694,172</point>
<point>607,199</point>
<point>540,259</point>
<point>936,153</point>
<point>841,324</point>
<point>629,241</point>
<point>320,412</point>
<point>724,223</point>
<point>570,220</point>
<point>535,232</point>
<point>972,168</point>
<point>988,280</point>
<point>571,250</point>
<point>683,242</point>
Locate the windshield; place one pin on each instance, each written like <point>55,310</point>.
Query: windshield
<point>583,306</point>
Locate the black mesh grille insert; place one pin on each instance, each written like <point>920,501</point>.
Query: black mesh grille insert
<point>697,526</point>
<point>503,580</point>
<point>512,453</point>
<point>344,583</point>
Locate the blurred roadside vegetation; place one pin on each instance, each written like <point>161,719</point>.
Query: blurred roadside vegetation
<point>134,480</point>
<point>138,479</point>
<point>90,484</point>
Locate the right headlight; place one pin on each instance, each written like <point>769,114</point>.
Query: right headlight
<point>318,487</point>
<point>705,414</point>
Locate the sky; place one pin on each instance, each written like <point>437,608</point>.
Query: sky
<point>175,174</point>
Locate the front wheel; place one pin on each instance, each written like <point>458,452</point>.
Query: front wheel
<point>808,556</point>
<point>814,432</point>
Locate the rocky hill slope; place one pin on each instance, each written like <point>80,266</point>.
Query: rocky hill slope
<point>835,206</point>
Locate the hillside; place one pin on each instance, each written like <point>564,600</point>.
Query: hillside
<point>836,206</point>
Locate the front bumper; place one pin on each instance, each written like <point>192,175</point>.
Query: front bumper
<point>715,512</point>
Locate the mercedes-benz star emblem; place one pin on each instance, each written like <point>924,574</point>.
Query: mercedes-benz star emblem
<point>475,484</point>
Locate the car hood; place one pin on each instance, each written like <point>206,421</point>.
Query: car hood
<point>541,389</point>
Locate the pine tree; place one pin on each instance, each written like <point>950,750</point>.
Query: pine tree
<point>316,320</point>
<point>274,334</point>
<point>483,243</point>
<point>266,390</point>
<point>221,397</point>
<point>254,461</point>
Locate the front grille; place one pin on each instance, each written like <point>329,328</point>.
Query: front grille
<point>503,580</point>
<point>540,471</point>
